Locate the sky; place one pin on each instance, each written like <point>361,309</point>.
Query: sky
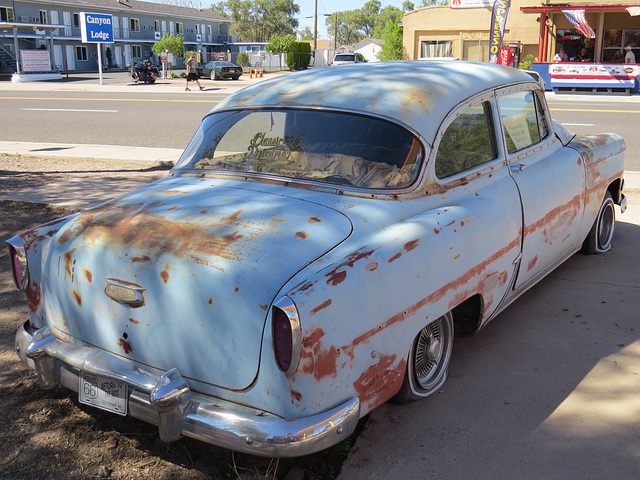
<point>307,8</point>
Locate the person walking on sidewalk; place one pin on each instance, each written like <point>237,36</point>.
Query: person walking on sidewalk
<point>192,74</point>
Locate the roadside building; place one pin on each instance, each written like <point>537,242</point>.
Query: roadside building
<point>534,28</point>
<point>55,25</point>
<point>369,48</point>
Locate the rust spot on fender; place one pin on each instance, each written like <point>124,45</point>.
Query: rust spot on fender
<point>380,382</point>
<point>264,307</point>
<point>34,297</point>
<point>532,263</point>
<point>317,360</point>
<point>237,289</point>
<point>210,301</point>
<point>77,297</point>
<point>395,257</point>
<point>371,266</point>
<point>135,322</point>
<point>411,245</point>
<point>64,237</point>
<point>436,231</point>
<point>88,275</point>
<point>301,235</point>
<point>295,395</point>
<point>126,346</point>
<point>336,278</point>
<point>322,306</point>
<point>315,220</point>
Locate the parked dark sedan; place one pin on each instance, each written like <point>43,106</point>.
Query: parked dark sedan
<point>220,69</point>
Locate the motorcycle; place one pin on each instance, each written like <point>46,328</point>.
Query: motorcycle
<point>144,72</point>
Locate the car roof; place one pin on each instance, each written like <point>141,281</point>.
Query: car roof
<point>406,91</point>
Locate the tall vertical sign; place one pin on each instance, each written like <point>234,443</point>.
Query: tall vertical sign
<point>96,28</point>
<point>498,22</point>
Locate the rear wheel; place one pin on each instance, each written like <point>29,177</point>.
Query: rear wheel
<point>212,75</point>
<point>428,361</point>
<point>600,236</point>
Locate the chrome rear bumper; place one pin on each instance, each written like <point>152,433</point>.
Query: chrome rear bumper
<point>166,401</point>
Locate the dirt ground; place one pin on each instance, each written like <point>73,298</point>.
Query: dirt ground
<point>48,434</point>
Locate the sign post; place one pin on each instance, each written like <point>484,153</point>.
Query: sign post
<point>96,28</point>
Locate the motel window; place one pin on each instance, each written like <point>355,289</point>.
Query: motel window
<point>134,24</point>
<point>81,53</point>
<point>156,26</point>
<point>179,28</point>
<point>436,48</point>
<point>136,51</point>
<point>76,20</point>
<point>6,14</point>
<point>43,17</point>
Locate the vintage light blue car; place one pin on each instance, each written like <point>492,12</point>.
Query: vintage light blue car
<point>313,252</point>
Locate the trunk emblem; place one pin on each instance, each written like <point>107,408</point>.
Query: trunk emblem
<point>125,293</point>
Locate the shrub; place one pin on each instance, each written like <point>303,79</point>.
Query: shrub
<point>243,59</point>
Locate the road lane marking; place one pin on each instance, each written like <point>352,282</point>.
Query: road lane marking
<point>68,110</point>
<point>165,100</point>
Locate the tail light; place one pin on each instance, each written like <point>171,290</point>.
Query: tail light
<point>287,335</point>
<point>18,259</point>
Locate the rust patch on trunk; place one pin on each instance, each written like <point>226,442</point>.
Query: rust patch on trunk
<point>77,297</point>
<point>69,262</point>
<point>126,346</point>
<point>411,245</point>
<point>371,266</point>
<point>395,257</point>
<point>315,220</point>
<point>142,259</point>
<point>322,306</point>
<point>135,322</point>
<point>301,235</point>
<point>165,274</point>
<point>88,275</point>
<point>295,395</point>
<point>64,237</point>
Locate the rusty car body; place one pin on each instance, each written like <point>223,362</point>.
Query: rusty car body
<point>313,252</point>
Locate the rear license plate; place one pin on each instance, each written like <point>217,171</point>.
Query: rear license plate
<point>103,392</point>
<point>232,70</point>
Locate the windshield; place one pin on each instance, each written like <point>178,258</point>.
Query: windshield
<point>331,147</point>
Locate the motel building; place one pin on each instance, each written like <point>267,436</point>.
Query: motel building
<point>593,34</point>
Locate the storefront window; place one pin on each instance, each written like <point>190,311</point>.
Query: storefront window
<point>614,42</point>
<point>573,43</point>
<point>475,50</point>
<point>436,48</point>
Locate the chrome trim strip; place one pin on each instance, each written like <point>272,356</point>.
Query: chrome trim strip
<point>166,401</point>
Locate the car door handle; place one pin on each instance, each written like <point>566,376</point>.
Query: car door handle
<point>517,168</point>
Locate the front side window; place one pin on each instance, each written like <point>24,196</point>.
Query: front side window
<point>522,119</point>
<point>467,142</point>
<point>331,147</point>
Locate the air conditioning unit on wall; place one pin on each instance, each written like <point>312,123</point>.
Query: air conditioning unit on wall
<point>157,36</point>
<point>198,37</point>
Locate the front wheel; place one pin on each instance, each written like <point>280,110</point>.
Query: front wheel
<point>212,75</point>
<point>600,236</point>
<point>428,361</point>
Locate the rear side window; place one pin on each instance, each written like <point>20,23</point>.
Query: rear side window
<point>522,119</point>
<point>316,145</point>
<point>468,141</point>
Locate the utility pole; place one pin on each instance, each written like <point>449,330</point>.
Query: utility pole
<point>315,27</point>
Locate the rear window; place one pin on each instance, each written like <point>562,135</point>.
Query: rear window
<point>331,147</point>
<point>345,57</point>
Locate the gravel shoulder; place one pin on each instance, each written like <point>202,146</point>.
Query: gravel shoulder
<point>48,434</point>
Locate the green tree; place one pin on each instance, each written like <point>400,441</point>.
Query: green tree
<point>169,42</point>
<point>367,22</point>
<point>407,6</point>
<point>392,48</point>
<point>280,44</point>
<point>257,20</point>
<point>305,34</point>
